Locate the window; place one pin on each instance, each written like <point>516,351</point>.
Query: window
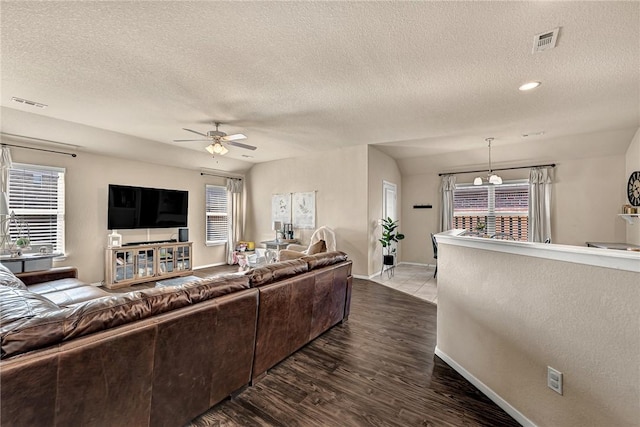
<point>217,228</point>
<point>504,209</point>
<point>36,196</point>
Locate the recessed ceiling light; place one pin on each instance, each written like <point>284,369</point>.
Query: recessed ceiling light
<point>27,102</point>
<point>529,86</point>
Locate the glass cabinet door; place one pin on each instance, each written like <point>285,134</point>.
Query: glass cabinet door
<point>145,266</point>
<point>123,266</point>
<point>165,260</point>
<point>183,258</point>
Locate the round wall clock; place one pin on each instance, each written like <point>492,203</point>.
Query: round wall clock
<point>633,188</point>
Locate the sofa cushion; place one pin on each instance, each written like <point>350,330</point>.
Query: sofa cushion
<point>323,259</point>
<point>55,285</point>
<point>37,318</point>
<point>105,313</point>
<point>74,295</point>
<point>272,272</point>
<point>7,278</point>
<point>20,304</point>
<point>286,254</point>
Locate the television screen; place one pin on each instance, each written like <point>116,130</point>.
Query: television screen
<point>141,207</point>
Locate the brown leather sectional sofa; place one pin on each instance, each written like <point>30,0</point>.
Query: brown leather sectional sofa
<point>162,356</point>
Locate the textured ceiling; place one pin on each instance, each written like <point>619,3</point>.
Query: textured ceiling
<point>416,78</point>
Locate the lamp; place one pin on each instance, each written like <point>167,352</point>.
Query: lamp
<point>277,226</point>
<point>493,178</point>
<point>217,148</point>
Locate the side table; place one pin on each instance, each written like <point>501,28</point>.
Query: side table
<point>278,244</point>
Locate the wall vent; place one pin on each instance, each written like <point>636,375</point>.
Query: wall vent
<point>27,102</point>
<point>545,41</point>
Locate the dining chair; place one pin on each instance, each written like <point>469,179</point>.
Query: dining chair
<point>435,253</point>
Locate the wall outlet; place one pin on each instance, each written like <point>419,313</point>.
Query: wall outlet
<point>554,379</point>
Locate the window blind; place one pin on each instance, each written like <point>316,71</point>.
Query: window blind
<point>36,197</point>
<point>217,217</point>
<point>502,208</point>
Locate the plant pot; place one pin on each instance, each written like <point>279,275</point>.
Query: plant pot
<point>387,260</point>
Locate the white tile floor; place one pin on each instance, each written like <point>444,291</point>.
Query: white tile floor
<point>416,280</point>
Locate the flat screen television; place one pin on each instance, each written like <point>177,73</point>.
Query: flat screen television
<point>141,207</point>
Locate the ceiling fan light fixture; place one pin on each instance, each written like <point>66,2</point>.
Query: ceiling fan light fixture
<point>217,148</point>
<point>495,179</point>
<point>477,181</point>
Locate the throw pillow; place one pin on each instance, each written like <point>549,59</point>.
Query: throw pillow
<point>7,278</point>
<point>317,247</point>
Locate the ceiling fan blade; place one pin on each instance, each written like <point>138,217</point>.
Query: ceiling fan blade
<point>241,145</point>
<point>195,131</point>
<point>234,137</point>
<point>189,140</point>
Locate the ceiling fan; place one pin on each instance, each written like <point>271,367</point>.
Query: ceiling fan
<point>219,140</point>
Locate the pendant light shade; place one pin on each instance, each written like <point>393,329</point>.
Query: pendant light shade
<point>493,178</point>
<point>217,148</point>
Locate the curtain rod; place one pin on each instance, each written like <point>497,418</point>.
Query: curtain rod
<point>551,165</point>
<point>39,149</point>
<point>220,176</point>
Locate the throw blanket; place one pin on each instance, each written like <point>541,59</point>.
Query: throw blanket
<point>326,234</point>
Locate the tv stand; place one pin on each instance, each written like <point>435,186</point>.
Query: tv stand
<point>147,262</point>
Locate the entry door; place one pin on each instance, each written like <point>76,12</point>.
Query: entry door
<point>389,199</point>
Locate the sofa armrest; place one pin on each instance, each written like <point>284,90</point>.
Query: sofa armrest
<point>56,273</point>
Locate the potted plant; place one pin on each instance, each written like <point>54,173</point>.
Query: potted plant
<point>390,235</point>
<point>22,242</point>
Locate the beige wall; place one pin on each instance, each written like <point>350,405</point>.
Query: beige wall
<point>340,179</point>
<point>632,159</point>
<point>504,318</point>
<point>587,199</point>
<point>381,168</point>
<point>587,196</point>
<point>87,180</point>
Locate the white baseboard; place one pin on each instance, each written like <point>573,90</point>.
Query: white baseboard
<point>416,263</point>
<point>513,412</point>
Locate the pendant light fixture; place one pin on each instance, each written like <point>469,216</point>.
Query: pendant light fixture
<point>493,178</point>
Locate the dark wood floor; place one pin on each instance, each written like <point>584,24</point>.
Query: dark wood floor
<point>378,369</point>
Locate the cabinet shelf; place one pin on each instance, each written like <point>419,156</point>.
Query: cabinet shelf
<point>629,217</point>
<point>129,265</point>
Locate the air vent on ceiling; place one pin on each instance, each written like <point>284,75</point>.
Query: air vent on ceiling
<point>27,102</point>
<point>545,41</point>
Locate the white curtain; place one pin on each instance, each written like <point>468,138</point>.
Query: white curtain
<point>447,188</point>
<point>5,165</point>
<point>539,205</point>
<point>234,190</point>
